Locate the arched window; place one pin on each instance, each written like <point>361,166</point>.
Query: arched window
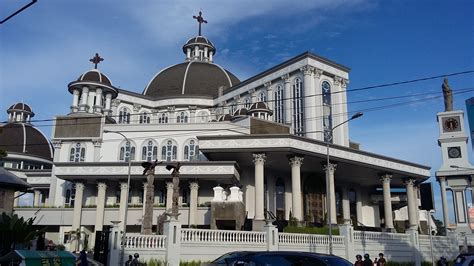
<point>327,116</point>
<point>163,118</point>
<point>248,102</point>
<point>149,151</point>
<point>127,150</point>
<point>203,117</point>
<point>144,118</point>
<point>77,153</point>
<point>262,96</point>
<point>124,116</point>
<point>191,150</point>
<point>182,118</point>
<point>298,119</point>
<point>169,151</point>
<point>279,111</point>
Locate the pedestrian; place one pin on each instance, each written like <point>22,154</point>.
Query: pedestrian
<point>367,260</point>
<point>135,261</point>
<point>358,261</point>
<point>380,261</point>
<point>442,262</point>
<point>129,261</point>
<point>83,258</point>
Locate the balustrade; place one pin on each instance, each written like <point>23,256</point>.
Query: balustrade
<point>220,236</point>
<point>145,242</point>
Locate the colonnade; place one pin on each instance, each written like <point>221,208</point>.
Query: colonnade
<point>90,100</point>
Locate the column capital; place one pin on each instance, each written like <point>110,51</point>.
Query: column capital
<point>285,78</point>
<point>123,186</point>
<point>100,186</point>
<point>137,107</point>
<point>193,185</point>
<point>331,167</point>
<point>409,181</point>
<point>169,185</point>
<point>259,158</point>
<point>296,160</point>
<point>171,108</point>
<point>318,72</point>
<point>337,80</point>
<point>79,186</point>
<point>386,177</point>
<point>307,70</point>
<point>192,108</point>
<point>116,102</point>
<point>85,89</point>
<point>57,144</point>
<point>267,85</point>
<point>252,91</point>
<point>97,143</point>
<point>344,83</point>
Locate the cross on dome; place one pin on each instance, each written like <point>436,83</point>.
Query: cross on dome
<point>96,60</point>
<point>200,20</point>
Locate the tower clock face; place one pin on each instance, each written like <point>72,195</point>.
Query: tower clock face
<point>451,124</point>
<point>454,152</point>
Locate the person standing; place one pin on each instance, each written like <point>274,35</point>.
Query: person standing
<point>380,261</point>
<point>358,261</point>
<point>367,260</point>
<point>129,261</point>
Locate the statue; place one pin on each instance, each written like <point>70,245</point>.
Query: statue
<point>175,174</point>
<point>448,96</point>
<point>149,170</point>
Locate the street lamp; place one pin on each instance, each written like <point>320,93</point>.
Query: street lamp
<point>129,145</point>
<point>328,193</point>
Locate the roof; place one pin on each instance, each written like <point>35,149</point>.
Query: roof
<point>95,75</point>
<point>201,41</point>
<point>23,107</point>
<point>193,78</point>
<point>9,180</point>
<point>26,139</point>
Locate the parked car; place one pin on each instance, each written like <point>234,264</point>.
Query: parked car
<point>280,258</point>
<point>464,259</point>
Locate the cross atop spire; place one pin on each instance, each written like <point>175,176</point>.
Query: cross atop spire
<point>96,60</point>
<point>200,20</point>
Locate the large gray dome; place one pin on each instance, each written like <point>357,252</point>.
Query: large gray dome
<point>194,78</point>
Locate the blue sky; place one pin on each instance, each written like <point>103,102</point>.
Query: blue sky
<point>49,45</point>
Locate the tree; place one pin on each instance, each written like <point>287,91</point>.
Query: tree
<point>16,231</point>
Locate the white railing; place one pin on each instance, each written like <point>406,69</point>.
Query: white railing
<point>145,242</point>
<point>221,236</point>
<point>377,236</point>
<point>290,238</point>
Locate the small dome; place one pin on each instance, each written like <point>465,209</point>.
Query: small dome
<point>21,108</point>
<point>241,112</point>
<point>226,117</point>
<point>193,78</point>
<point>201,41</point>
<point>94,75</point>
<point>259,107</point>
<point>24,138</point>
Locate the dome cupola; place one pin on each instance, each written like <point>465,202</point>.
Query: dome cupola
<point>20,112</point>
<point>260,110</point>
<point>199,48</point>
<point>92,91</point>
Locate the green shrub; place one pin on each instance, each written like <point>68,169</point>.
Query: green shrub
<point>310,230</point>
<point>193,263</point>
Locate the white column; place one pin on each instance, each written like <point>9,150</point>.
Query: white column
<point>297,200</point>
<point>411,203</point>
<point>36,198</point>
<point>444,200</point>
<point>97,148</point>
<point>17,198</point>
<point>90,101</point>
<point>75,100</point>
<point>206,53</point>
<point>83,104</point>
<point>169,196</point>
<point>318,100</point>
<point>98,100</point>
<point>287,98</point>
<point>188,53</point>
<point>387,200</point>
<point>123,203</point>
<point>192,114</point>
<point>259,161</point>
<point>76,217</point>
<point>270,96</point>
<point>359,214</point>
<point>193,203</point>
<point>309,102</point>
<point>346,207</point>
<point>144,193</point>
<point>99,213</point>
<point>331,194</point>
<point>210,56</point>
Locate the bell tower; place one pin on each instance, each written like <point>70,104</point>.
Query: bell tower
<point>455,173</point>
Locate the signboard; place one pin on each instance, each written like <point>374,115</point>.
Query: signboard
<point>470,118</point>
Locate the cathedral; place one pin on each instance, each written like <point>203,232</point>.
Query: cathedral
<point>277,144</point>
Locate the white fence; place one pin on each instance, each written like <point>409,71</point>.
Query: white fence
<point>206,245</point>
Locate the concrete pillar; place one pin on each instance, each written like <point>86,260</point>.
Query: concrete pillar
<point>75,100</point>
<point>297,199</point>
<point>192,114</point>
<point>193,203</point>
<point>318,100</point>
<point>77,213</point>
<point>123,203</point>
<point>83,105</point>
<point>309,102</point>
<point>99,213</point>
<point>210,56</point>
<point>270,96</point>
<point>387,201</point>
<point>108,102</point>
<point>114,244</point>
<point>172,230</point>
<point>460,214</point>
<point>17,198</point>
<point>259,161</point>
<point>97,148</point>
<point>90,101</point>
<point>346,207</point>
<point>411,203</point>
<point>271,238</point>
<point>36,198</point>
<point>98,100</point>
<point>347,231</point>
<point>169,196</point>
<point>144,193</point>
<point>331,194</point>
<point>444,200</point>
<point>287,98</point>
<point>188,53</point>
